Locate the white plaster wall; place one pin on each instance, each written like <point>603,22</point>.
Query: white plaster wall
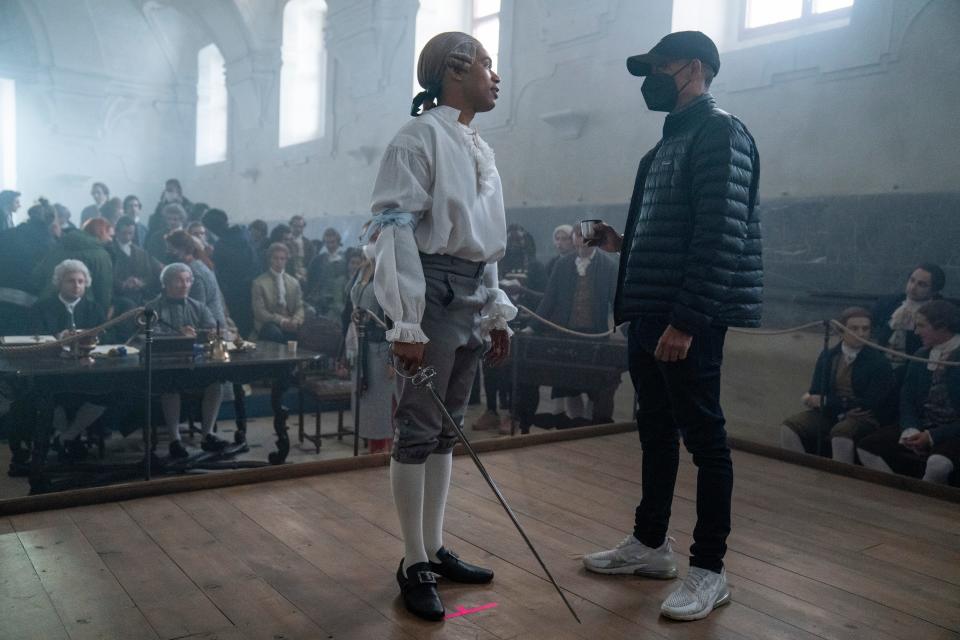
<point>98,99</point>
<point>106,90</point>
<point>854,110</point>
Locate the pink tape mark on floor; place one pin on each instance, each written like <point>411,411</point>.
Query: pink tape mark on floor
<point>464,611</point>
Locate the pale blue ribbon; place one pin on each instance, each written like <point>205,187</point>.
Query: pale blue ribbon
<point>390,217</point>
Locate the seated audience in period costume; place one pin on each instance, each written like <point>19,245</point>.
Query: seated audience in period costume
<point>926,442</point>
<point>278,309</point>
<point>849,396</point>
<point>894,315</point>
<point>136,275</point>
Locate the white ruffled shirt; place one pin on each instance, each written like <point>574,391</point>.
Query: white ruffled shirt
<point>850,353</point>
<point>443,173</point>
<point>582,264</point>
<point>281,288</point>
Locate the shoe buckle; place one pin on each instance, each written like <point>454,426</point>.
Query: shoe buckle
<point>425,577</point>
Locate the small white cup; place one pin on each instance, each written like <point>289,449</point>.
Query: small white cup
<point>588,229</point>
<point>292,346</point>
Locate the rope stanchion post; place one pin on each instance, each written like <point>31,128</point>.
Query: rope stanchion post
<point>148,316</point>
<point>358,391</point>
<point>823,389</point>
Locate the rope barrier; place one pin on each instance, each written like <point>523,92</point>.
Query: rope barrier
<point>754,332</point>
<point>74,337</point>
<point>776,332</point>
<point>893,352</point>
<point>562,329</point>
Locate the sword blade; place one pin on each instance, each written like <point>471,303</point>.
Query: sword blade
<point>496,491</point>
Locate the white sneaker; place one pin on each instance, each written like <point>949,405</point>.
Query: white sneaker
<point>701,592</point>
<point>633,557</point>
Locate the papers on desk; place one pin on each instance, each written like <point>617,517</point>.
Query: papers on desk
<point>8,341</point>
<point>247,346</point>
<point>113,351</point>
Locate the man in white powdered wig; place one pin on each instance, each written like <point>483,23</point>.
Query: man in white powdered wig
<point>438,202</point>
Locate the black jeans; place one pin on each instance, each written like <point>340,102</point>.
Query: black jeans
<point>682,398</point>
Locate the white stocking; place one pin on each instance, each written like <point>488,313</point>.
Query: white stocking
<point>790,440</point>
<point>873,461</point>
<point>574,406</point>
<point>60,422</point>
<point>170,403</point>
<point>938,469</point>
<point>436,484</point>
<point>558,404</point>
<point>842,449</point>
<point>406,480</point>
<point>210,407</point>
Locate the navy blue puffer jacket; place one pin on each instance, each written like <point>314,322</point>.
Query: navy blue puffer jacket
<point>692,249</point>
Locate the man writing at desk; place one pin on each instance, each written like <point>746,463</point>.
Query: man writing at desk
<point>178,314</point>
<point>70,309</point>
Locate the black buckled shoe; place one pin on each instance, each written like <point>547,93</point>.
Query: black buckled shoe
<point>213,444</point>
<point>453,568</point>
<point>178,451</point>
<point>419,590</point>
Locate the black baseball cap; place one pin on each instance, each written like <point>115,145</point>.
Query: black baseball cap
<point>681,45</point>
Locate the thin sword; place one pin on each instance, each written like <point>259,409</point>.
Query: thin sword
<point>424,378</point>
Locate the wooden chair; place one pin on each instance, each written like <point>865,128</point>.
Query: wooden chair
<point>330,393</point>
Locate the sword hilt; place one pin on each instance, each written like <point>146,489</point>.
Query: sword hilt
<point>423,376</point>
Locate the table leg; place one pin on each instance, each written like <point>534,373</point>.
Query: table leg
<point>240,410</point>
<point>301,432</point>
<point>42,427</point>
<point>280,414</point>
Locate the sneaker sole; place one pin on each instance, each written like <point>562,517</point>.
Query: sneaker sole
<point>634,570</point>
<point>700,615</point>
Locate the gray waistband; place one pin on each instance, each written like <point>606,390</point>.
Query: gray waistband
<point>451,264</point>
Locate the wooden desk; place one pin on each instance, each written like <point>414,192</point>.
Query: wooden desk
<point>578,363</point>
<point>41,375</point>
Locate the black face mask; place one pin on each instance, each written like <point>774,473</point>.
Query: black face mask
<point>660,91</point>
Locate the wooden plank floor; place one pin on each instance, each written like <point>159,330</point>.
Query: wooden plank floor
<point>811,556</point>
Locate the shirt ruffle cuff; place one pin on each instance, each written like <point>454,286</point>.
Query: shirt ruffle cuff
<point>496,313</point>
<point>406,332</point>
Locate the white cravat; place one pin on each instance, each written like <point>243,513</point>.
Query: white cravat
<point>850,353</point>
<point>904,316</point>
<point>70,307</point>
<point>583,264</point>
<point>126,248</point>
<point>943,351</point>
<point>298,243</point>
<point>281,289</point>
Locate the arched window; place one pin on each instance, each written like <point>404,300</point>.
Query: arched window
<point>480,18</point>
<point>764,13</point>
<point>302,77</point>
<point>211,106</point>
<point>8,134</point>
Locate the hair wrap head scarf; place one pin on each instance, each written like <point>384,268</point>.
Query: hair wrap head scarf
<point>452,49</point>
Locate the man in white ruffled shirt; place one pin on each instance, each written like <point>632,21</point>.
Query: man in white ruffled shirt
<point>438,202</point>
<point>894,317</point>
